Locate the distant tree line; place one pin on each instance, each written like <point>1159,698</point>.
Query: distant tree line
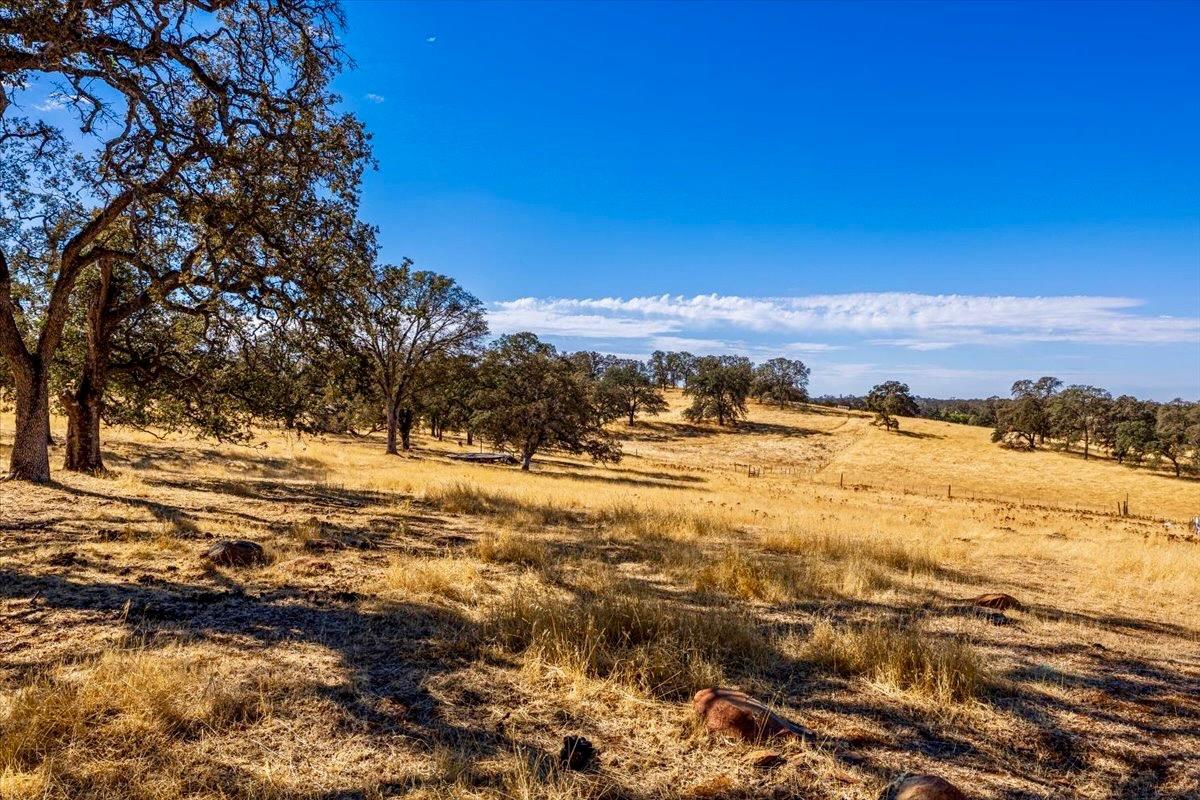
<point>1043,412</point>
<point>1132,431</point>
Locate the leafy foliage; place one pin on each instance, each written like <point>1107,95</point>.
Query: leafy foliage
<point>625,389</point>
<point>781,381</point>
<point>719,389</point>
<point>532,397</point>
<point>889,400</point>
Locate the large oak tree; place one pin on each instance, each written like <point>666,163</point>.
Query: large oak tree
<point>173,100</point>
<point>531,397</point>
<point>401,321</point>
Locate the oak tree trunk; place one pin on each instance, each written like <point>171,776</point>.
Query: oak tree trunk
<point>83,429</point>
<point>85,403</point>
<point>392,429</point>
<point>406,420</point>
<point>30,458</point>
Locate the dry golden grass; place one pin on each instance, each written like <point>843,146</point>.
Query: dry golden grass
<point>448,576</point>
<point>432,628</point>
<point>616,630</point>
<point>114,725</point>
<point>901,657</point>
<point>771,580</point>
<point>508,547</point>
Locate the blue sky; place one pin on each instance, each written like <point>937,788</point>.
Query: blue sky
<point>957,195</point>
<point>954,195</point>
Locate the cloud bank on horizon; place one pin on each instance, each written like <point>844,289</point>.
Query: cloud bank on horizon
<point>919,321</point>
<point>820,325</point>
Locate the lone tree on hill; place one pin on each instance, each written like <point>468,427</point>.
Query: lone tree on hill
<point>889,400</point>
<point>400,320</point>
<point>531,397</point>
<point>781,381</point>
<point>626,389</point>
<point>719,388</point>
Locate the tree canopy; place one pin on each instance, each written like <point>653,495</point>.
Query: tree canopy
<point>890,400</point>
<point>781,381</point>
<point>531,396</point>
<point>191,121</point>
<point>719,388</point>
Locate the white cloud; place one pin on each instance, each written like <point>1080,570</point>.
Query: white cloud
<point>56,101</point>
<point>529,315</point>
<point>915,321</point>
<point>374,98</point>
<point>430,39</point>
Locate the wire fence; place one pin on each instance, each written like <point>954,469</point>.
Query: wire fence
<point>1118,507</point>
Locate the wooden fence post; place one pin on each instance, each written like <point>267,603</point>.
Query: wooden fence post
<point>841,480</point>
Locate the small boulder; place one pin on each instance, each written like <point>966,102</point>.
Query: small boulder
<point>921,787</point>
<point>577,753</point>
<point>1000,602</point>
<point>735,713</point>
<point>236,553</point>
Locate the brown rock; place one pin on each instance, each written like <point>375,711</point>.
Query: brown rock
<point>766,759</point>
<point>735,713</point>
<point>1000,602</point>
<point>577,753</point>
<point>921,787</point>
<point>236,553</point>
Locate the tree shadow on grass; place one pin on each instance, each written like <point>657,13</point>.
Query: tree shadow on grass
<point>246,460</point>
<point>917,434</point>
<point>389,653</point>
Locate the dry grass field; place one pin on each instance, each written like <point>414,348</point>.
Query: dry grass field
<point>426,628</point>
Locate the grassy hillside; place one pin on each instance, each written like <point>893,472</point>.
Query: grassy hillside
<point>429,628</point>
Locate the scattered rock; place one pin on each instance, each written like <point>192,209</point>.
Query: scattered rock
<point>1000,602</point>
<point>577,753</point>
<point>921,787</point>
<point>766,759</point>
<point>735,713</point>
<point>236,553</point>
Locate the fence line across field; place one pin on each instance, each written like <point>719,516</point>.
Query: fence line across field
<point>1118,508</point>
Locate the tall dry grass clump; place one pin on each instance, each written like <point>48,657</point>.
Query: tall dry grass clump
<point>115,726</point>
<point>910,557</point>
<point>754,577</point>
<point>650,524</point>
<point>901,657</point>
<point>462,497</point>
<point>439,576</point>
<point>624,634</point>
<point>507,547</point>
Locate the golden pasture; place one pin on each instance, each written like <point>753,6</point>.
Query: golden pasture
<point>428,628</point>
